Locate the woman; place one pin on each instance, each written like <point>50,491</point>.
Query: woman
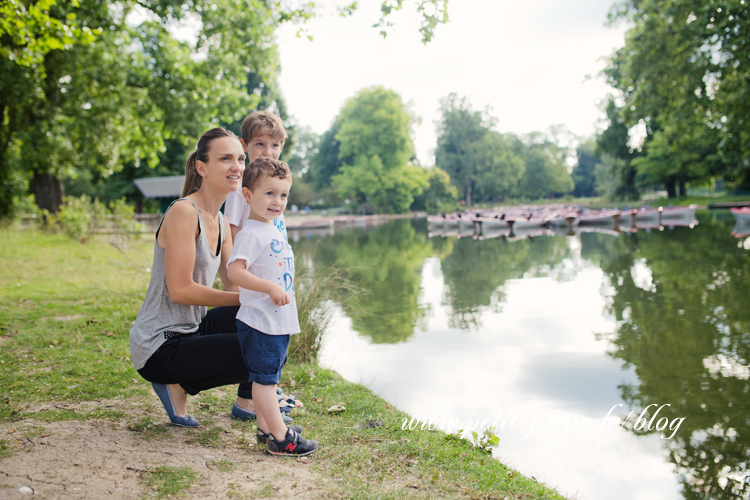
<point>176,343</point>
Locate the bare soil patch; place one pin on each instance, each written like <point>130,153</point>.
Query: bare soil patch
<point>72,459</point>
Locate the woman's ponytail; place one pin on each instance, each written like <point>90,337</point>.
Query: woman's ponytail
<point>192,177</point>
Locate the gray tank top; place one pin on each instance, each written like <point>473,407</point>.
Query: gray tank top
<point>158,313</point>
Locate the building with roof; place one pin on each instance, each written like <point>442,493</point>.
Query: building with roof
<point>163,189</point>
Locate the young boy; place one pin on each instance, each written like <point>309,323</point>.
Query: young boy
<point>262,265</point>
<point>263,134</point>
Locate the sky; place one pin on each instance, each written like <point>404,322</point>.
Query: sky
<point>535,63</point>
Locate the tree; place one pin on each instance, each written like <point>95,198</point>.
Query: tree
<point>499,168</point>
<point>117,99</point>
<point>375,122</point>
<point>460,130</point>
<point>584,173</point>
<point>546,173</point>
<point>374,147</point>
<point>439,195</point>
<point>612,145</point>
<point>683,75</point>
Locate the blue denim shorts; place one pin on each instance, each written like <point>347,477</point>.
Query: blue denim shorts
<point>264,355</point>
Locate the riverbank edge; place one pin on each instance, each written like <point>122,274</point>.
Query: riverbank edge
<point>369,446</point>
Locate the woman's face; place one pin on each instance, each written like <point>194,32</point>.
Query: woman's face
<point>226,162</point>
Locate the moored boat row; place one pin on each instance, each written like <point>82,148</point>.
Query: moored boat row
<point>741,215</point>
<point>561,216</point>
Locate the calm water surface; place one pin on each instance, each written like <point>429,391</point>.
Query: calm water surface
<point>614,366</point>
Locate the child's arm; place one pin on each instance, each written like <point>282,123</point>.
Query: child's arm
<point>239,275</point>
<point>226,252</point>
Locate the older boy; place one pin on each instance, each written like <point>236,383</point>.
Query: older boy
<point>263,134</point>
<point>262,265</point>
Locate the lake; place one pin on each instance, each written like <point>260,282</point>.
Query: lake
<point>612,365</point>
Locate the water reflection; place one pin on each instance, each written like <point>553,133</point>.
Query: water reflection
<point>562,327</point>
<point>686,331</point>
<point>386,261</point>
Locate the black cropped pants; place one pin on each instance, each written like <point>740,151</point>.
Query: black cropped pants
<point>209,358</point>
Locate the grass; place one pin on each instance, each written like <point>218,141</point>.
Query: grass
<point>170,481</point>
<point>65,312</point>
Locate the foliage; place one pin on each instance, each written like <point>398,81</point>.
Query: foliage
<point>90,86</point>
<point>433,12</point>
<point>683,78</point>
<point>439,196</point>
<point>375,122</point>
<point>75,216</point>
<point>487,166</point>
<point>584,173</point>
<point>459,131</point>
<point>486,442</point>
<point>546,173</point>
<point>81,215</point>
<point>373,147</point>
<point>386,190</point>
<point>30,32</point>
<point>615,176</point>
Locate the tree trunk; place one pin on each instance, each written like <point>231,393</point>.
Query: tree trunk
<point>48,191</point>
<point>670,185</point>
<point>683,190</point>
<point>468,194</point>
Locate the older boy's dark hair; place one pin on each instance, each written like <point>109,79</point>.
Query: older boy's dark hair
<point>262,122</point>
<point>264,166</point>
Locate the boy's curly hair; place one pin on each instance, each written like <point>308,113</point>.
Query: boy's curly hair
<point>263,166</point>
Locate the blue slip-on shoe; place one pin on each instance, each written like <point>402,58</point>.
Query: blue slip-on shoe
<point>162,391</point>
<point>246,415</point>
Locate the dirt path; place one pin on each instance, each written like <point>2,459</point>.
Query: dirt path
<point>96,459</point>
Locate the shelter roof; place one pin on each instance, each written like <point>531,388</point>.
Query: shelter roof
<point>160,187</point>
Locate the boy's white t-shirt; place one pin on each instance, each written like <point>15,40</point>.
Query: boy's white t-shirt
<point>237,211</point>
<point>267,255</point>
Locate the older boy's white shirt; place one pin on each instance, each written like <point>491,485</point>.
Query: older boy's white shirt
<point>267,255</point>
<point>237,211</point>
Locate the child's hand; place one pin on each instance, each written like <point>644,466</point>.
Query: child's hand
<point>278,295</point>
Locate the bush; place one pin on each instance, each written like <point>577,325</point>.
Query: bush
<point>318,291</point>
<point>75,216</point>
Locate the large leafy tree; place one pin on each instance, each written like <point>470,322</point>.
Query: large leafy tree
<point>615,175</point>
<point>375,148</point>
<point>584,173</point>
<point>546,174</point>
<point>460,132</point>
<point>683,74</point>
<point>94,106</point>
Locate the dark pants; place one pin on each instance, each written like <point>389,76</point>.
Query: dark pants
<point>207,359</point>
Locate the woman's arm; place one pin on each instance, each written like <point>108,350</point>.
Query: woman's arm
<point>177,237</point>
<point>239,274</point>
